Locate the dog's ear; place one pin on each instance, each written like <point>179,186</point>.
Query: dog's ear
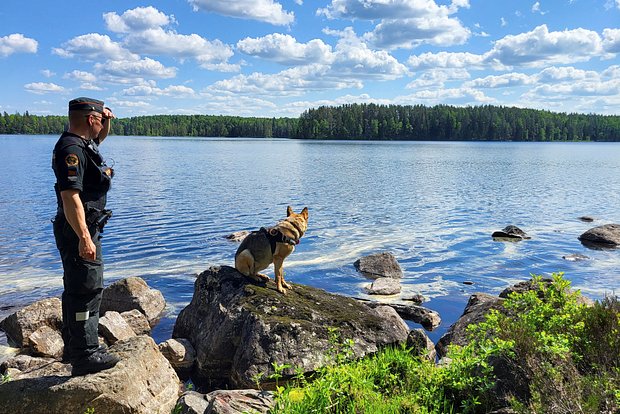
<point>289,211</point>
<point>304,213</point>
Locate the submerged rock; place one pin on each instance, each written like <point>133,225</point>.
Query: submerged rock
<point>379,265</point>
<point>575,257</point>
<point>240,329</point>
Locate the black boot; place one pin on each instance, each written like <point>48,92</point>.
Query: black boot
<point>95,362</point>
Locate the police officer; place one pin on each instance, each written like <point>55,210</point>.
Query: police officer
<point>82,181</point>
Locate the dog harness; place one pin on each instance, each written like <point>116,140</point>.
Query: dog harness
<point>274,236</point>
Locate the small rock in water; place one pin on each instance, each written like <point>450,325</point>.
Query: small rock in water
<point>415,298</point>
<point>575,257</point>
<point>238,236</point>
<point>587,219</point>
<point>510,233</point>
<point>468,282</point>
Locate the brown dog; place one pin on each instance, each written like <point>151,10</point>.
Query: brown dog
<point>271,245</point>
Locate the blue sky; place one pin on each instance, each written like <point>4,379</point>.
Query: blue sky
<point>281,57</point>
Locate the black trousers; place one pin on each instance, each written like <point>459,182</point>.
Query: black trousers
<point>83,287</point>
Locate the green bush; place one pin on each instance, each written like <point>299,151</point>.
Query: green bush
<point>565,354</point>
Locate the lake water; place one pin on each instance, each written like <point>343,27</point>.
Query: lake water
<point>433,204</point>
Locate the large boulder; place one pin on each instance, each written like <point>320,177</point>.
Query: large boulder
<point>379,265</point>
<point>133,293</point>
<point>142,382</point>
<point>607,235</point>
<point>20,325</point>
<point>240,329</point>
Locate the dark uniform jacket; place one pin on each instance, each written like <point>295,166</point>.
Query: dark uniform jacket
<point>78,165</point>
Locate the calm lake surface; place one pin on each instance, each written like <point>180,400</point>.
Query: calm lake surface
<point>433,204</point>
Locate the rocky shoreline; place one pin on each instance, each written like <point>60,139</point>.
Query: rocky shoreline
<point>227,341</point>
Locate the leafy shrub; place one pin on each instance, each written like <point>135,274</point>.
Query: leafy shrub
<point>545,352</point>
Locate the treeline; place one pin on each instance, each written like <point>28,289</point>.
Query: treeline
<point>205,126</point>
<point>449,123</point>
<point>160,125</point>
<point>358,121</point>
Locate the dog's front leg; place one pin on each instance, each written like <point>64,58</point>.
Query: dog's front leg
<point>281,285</point>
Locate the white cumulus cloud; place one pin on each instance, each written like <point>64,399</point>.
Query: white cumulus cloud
<point>290,82</point>
<point>158,41</point>
<point>387,9</point>
<point>541,47</point>
<point>175,91</point>
<point>445,60</point>
<point>404,23</point>
<point>42,88</point>
<point>263,10</point>
<point>17,43</point>
<point>145,67</point>
<point>140,18</point>
<point>285,49</point>
<point>501,81</point>
<point>611,40</point>
<point>94,46</point>
<point>410,33</point>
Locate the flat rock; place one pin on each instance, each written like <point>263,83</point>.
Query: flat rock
<point>587,219</point>
<point>133,293</point>
<point>379,265</point>
<point>240,329</point>
<point>384,286</point>
<point>607,235</point>
<point>143,382</point>
<point>239,401</point>
<point>20,325</point>
<point>429,319</point>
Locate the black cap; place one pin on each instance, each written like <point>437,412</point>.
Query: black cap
<point>86,104</point>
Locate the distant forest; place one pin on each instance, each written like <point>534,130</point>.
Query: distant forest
<point>358,121</point>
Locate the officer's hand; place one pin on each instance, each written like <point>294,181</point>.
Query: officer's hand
<point>107,113</point>
<point>88,250</point>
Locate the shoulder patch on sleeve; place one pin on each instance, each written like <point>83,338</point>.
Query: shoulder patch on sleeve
<point>72,160</point>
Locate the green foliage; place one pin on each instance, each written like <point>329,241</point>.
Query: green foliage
<point>89,410</point>
<point>567,355</point>
<point>4,378</point>
<point>358,121</point>
<point>449,123</point>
